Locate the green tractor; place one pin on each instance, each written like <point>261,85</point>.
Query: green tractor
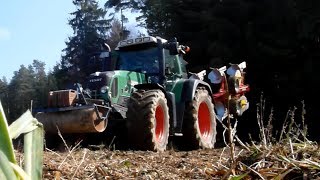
<point>149,88</point>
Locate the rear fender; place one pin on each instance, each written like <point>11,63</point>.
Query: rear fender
<point>187,93</point>
<point>190,86</point>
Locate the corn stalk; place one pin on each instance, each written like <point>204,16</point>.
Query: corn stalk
<point>33,147</point>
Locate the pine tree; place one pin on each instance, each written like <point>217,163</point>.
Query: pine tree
<point>41,87</point>
<point>89,32</point>
<point>4,96</point>
<point>21,91</point>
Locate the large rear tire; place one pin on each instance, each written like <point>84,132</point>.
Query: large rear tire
<point>148,120</point>
<point>199,124</point>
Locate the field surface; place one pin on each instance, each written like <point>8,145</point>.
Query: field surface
<point>83,163</point>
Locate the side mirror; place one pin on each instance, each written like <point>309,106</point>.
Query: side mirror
<point>105,54</point>
<point>173,47</point>
<point>106,46</point>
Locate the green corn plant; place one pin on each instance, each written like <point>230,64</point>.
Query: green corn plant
<point>33,147</point>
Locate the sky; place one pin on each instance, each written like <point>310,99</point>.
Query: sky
<point>34,29</point>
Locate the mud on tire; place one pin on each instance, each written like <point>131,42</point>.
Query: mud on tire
<point>199,124</point>
<point>148,120</point>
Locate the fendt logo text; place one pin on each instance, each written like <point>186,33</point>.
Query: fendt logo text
<point>95,80</point>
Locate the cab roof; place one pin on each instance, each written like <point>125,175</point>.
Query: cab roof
<point>138,41</point>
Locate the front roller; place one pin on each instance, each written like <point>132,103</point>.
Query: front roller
<point>73,121</point>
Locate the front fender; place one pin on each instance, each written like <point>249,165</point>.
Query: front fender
<point>150,86</point>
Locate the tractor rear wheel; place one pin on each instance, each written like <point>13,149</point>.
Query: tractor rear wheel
<point>148,120</point>
<point>199,124</point>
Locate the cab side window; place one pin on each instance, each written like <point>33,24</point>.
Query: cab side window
<point>183,65</point>
<point>172,62</point>
<point>176,64</point>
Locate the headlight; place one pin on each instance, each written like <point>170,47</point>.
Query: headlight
<point>104,89</point>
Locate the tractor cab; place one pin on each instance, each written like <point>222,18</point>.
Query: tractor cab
<point>160,60</point>
<point>146,60</point>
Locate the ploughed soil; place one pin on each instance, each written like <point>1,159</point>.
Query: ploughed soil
<point>290,158</point>
<point>113,160</point>
<point>256,161</point>
<point>83,163</point>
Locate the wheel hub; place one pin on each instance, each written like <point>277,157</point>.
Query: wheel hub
<point>159,124</point>
<point>204,121</point>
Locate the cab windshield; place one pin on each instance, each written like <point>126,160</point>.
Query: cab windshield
<point>144,61</point>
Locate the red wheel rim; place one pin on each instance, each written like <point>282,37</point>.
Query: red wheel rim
<point>204,121</point>
<point>159,123</point>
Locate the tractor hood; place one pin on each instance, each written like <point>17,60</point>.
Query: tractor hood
<point>99,79</point>
<point>113,85</point>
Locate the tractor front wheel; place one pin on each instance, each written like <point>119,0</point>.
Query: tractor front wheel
<point>148,120</point>
<point>199,124</point>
